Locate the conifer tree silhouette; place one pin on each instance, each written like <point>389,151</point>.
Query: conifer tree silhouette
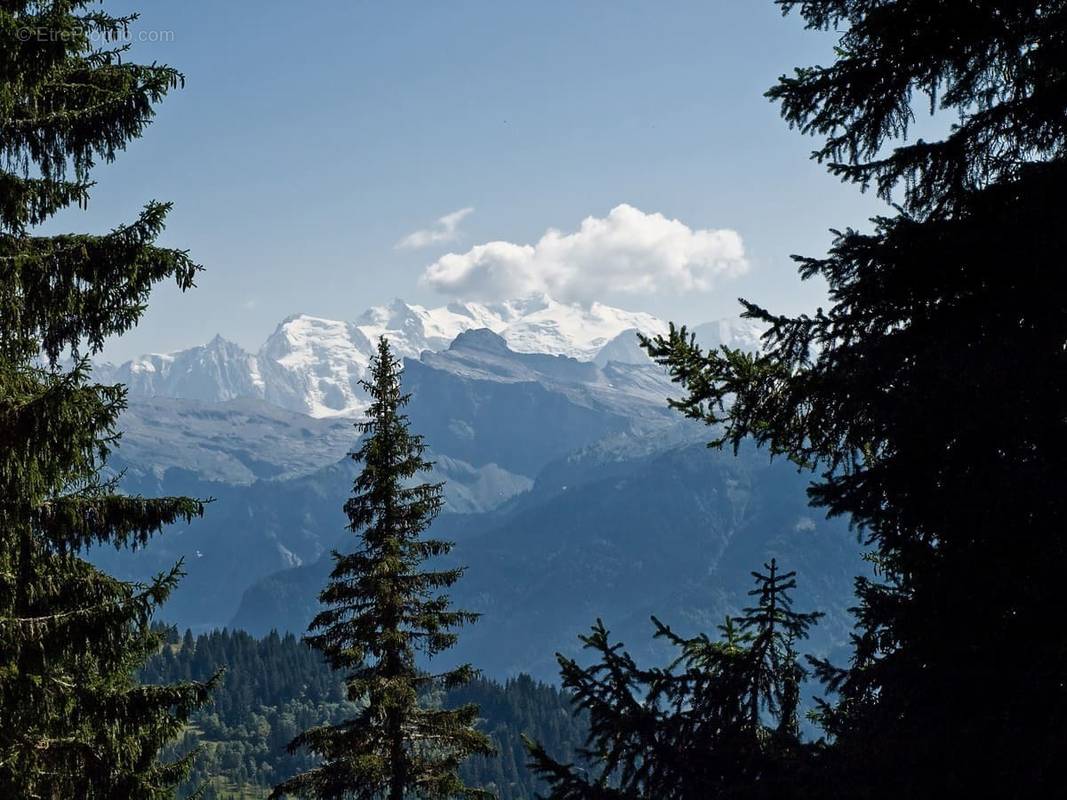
<point>721,721</point>
<point>931,396</point>
<point>382,609</point>
<point>74,721</point>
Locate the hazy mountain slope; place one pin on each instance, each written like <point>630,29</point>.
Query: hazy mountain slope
<point>251,531</point>
<point>673,534</point>
<point>247,532</point>
<point>481,402</point>
<point>234,442</point>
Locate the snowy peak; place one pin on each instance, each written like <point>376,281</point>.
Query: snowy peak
<point>576,331</point>
<point>532,324</point>
<point>301,340</point>
<point>218,371</point>
<point>623,349</point>
<point>413,328</point>
<point>314,365</point>
<point>743,334</point>
<point>482,340</point>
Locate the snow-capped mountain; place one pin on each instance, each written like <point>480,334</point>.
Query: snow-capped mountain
<point>575,331</point>
<point>535,324</point>
<point>214,372</point>
<point>413,328</point>
<point>738,333</point>
<point>314,365</point>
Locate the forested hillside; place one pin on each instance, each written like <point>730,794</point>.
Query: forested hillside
<point>276,686</point>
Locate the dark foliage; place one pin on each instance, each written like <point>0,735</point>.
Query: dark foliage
<point>932,396</point>
<point>721,721</point>
<point>73,720</point>
<point>276,686</point>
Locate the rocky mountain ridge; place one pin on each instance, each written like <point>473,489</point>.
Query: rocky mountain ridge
<point>313,365</point>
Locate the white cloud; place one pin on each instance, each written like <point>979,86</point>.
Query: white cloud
<point>628,251</point>
<point>446,229</point>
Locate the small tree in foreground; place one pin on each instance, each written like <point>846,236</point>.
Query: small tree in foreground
<point>721,721</point>
<point>382,609</point>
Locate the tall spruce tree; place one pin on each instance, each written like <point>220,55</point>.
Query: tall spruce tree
<point>721,721</point>
<point>74,723</point>
<point>384,608</point>
<point>932,395</point>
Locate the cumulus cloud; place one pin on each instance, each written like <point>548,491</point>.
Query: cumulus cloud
<point>446,229</point>
<point>628,251</point>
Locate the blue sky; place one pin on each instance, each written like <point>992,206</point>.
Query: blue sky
<point>312,138</point>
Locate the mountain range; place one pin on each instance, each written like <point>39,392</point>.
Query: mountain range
<point>313,365</point>
<point>572,489</point>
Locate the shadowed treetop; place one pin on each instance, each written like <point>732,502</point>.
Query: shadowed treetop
<point>999,68</point>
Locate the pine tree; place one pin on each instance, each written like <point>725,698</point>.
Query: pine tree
<point>74,722</point>
<point>932,395</point>
<point>721,721</point>
<point>384,608</point>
